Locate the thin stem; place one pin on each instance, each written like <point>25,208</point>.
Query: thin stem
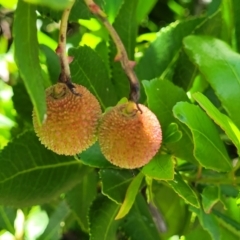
<point>65,75</point>
<point>122,55</point>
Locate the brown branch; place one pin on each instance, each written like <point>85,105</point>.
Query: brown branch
<point>65,75</point>
<point>122,55</point>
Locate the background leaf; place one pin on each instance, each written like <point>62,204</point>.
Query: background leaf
<point>26,55</point>
<point>236,12</point>
<point>206,138</point>
<point>7,218</point>
<point>53,229</point>
<point>161,53</point>
<point>103,211</point>
<point>170,222</point>
<point>138,224</point>
<point>80,198</point>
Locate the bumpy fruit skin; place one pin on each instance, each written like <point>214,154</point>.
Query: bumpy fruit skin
<point>71,123</point>
<point>129,138</point>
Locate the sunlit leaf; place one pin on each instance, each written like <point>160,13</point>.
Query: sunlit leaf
<point>220,65</point>
<point>219,118</point>
<point>130,196</point>
<point>209,149</point>
<point>26,55</point>
<point>161,167</point>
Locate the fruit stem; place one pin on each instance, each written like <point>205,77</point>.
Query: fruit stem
<point>65,75</point>
<point>122,55</point>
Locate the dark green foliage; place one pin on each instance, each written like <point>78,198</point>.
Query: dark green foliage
<point>188,64</point>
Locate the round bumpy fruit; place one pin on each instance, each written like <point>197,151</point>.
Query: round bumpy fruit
<point>129,138</point>
<point>71,122</point>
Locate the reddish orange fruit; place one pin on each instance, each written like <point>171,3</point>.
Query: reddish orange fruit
<point>71,123</point>
<point>129,138</point>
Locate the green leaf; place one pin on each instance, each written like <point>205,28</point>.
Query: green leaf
<point>220,65</point>
<point>173,217</point>
<point>161,167</point>
<point>78,11</point>
<point>101,219</point>
<point>198,233</point>
<point>209,149</point>
<point>93,157</point>
<point>130,196</point>
<point>206,27</point>
<point>7,218</point>
<point>112,8</point>
<point>210,196</point>
<point>172,133</point>
<point>115,183</point>
<point>220,119</point>
<point>53,229</point>
<point>126,26</point>
<point>185,71</point>
<point>236,12</point>
<point>52,62</point>
<point>144,8</point>
<point>161,103</point>
<point>22,102</point>
<point>228,222</point>
<point>80,198</point>
<point>26,55</point>
<point>54,4</point>
<point>138,224</point>
<point>184,190</point>
<point>209,223</point>
<point>31,174</point>
<point>161,52</point>
<point>89,70</point>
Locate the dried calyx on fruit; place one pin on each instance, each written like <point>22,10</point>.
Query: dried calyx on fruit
<point>71,123</point>
<point>129,138</point>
